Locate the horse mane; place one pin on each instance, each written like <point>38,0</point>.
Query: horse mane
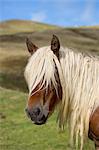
<point>79,77</point>
<point>81,92</point>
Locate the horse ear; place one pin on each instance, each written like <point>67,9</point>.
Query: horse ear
<point>55,45</point>
<point>31,47</point>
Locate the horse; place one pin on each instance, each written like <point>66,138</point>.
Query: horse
<point>68,78</point>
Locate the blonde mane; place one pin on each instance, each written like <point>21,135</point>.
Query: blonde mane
<point>79,77</point>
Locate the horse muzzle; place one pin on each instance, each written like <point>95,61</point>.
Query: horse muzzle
<point>37,115</point>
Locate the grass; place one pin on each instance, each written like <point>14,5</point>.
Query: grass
<point>18,133</point>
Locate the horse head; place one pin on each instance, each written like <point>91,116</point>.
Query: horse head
<point>42,77</point>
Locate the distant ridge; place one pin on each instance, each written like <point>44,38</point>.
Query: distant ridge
<point>17,26</point>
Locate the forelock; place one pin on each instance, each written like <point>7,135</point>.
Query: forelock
<point>41,67</point>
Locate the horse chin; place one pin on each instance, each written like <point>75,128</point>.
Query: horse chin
<point>40,121</point>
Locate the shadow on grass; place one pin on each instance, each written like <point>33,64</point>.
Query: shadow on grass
<point>12,73</point>
<point>13,81</point>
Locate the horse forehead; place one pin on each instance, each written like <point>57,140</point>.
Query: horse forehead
<point>44,49</point>
<point>47,48</point>
<point>42,52</point>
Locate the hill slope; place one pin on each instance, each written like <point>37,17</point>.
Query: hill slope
<point>16,26</point>
<point>14,54</point>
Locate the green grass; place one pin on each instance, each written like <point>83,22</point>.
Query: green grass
<point>18,133</point>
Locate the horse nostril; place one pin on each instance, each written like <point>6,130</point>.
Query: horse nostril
<point>36,111</point>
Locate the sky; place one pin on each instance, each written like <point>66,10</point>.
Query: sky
<point>56,12</point>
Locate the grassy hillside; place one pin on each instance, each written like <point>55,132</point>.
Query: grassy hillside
<point>14,54</point>
<point>18,133</point>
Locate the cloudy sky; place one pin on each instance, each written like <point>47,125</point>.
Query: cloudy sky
<point>58,12</point>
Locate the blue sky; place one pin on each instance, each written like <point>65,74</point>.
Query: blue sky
<point>58,12</point>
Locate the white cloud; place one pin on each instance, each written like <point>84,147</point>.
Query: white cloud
<point>39,16</point>
<point>89,11</point>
